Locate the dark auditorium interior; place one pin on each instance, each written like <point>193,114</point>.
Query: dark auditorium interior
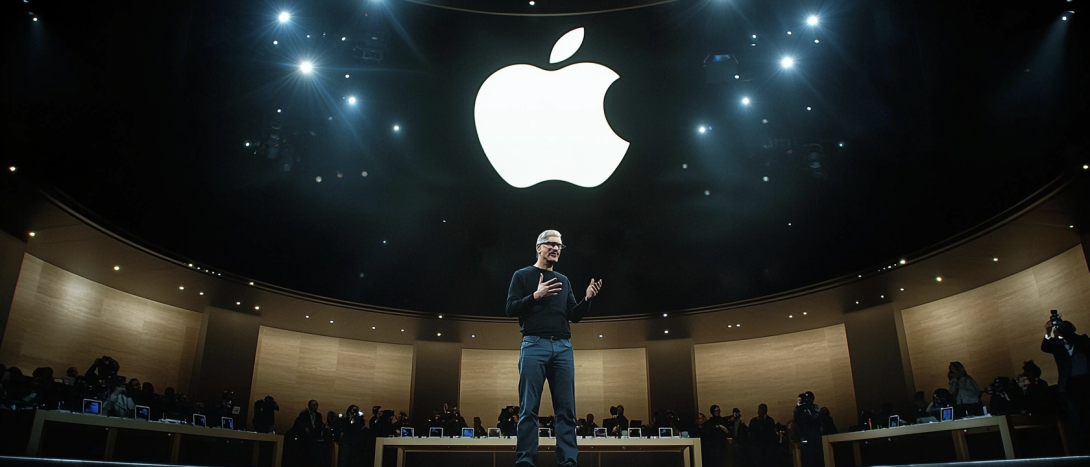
<point>281,233</point>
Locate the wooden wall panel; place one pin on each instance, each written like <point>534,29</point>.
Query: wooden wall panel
<point>295,367</point>
<point>59,319</point>
<point>603,378</point>
<point>774,370</point>
<point>994,328</point>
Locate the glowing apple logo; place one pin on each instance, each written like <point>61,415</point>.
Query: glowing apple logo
<point>537,125</point>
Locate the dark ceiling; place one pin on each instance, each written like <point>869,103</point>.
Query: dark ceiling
<point>900,124</point>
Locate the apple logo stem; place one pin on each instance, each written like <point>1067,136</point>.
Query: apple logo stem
<point>536,125</point>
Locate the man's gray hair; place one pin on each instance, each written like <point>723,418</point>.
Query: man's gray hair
<point>544,237</point>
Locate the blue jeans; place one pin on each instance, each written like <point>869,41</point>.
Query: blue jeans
<point>544,358</point>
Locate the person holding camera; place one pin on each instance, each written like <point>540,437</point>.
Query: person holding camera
<point>265,414</point>
<point>1071,351</point>
<point>808,424</point>
<point>545,306</point>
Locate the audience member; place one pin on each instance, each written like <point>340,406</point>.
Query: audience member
<point>762,438</point>
<point>828,427</point>
<point>621,425</point>
<point>716,432</point>
<point>808,423</point>
<point>265,414</point>
<point>308,432</point>
<point>70,376</point>
<point>478,428</point>
<point>919,404</point>
<point>120,404</point>
<point>352,429</point>
<point>965,391</point>
<point>508,421</point>
<point>375,410</point>
<point>332,428</point>
<point>701,432</point>
<point>1072,354</point>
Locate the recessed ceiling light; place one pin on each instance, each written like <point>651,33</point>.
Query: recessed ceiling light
<point>745,101</point>
<point>251,283</point>
<point>903,261</point>
<point>364,173</point>
<point>804,313</point>
<point>238,303</point>
<point>599,335</point>
<point>330,321</point>
<point>1085,167</point>
<point>902,289</point>
<point>664,315</point>
<point>707,192</point>
<point>117,268</point>
<point>817,41</point>
<point>666,331</point>
<point>190,264</point>
<point>344,38</point>
<point>276,43</point>
<point>702,129</point>
<point>284,17</point>
<point>257,308</point>
<point>730,325</point>
<point>307,316</point>
<point>1071,226</point>
<point>808,108</point>
<point>790,316</point>
<point>200,293</point>
<point>439,334</point>
<point>857,302</point>
<point>995,259</point>
<point>318,179</point>
<point>473,336</point>
<point>788,33</point>
<point>306,66</point>
<point>397,127</point>
<point>12,168</point>
<point>812,20</point>
<point>737,76</point>
<point>881,296</point>
<point>402,330</point>
<point>440,316</point>
<point>938,279</point>
<point>738,325</point>
<point>372,327</point>
<point>32,234</point>
<point>181,287</point>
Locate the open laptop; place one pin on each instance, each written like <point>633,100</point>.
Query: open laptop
<point>199,420</point>
<point>435,432</point>
<point>92,407</point>
<point>227,423</point>
<point>600,432</point>
<point>544,433</point>
<point>666,432</point>
<point>407,432</point>
<point>634,433</point>
<point>143,412</point>
<point>493,432</point>
<point>468,432</point>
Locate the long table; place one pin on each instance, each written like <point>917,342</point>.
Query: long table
<point>957,428</point>
<point>689,448</point>
<point>114,424</point>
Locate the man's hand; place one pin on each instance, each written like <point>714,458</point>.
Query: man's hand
<point>548,288</point>
<point>593,288</point>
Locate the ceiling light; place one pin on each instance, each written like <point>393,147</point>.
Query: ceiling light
<point>346,75</point>
<point>318,179</point>
<point>881,296</point>
<point>402,330</point>
<point>666,331</point>
<point>439,334</point>
<point>12,168</point>
<point>903,261</point>
<point>308,316</point>
<point>343,38</point>
<point>531,2</point>
<point>364,173</point>
<point>276,42</point>
<point>857,302</point>
<point>372,327</point>
<point>737,76</point>
<point>790,316</point>
<point>738,325</point>
<point>995,259</point>
<point>117,268</point>
<point>32,234</point>
<point>599,335</point>
<point>788,33</point>
<point>1064,18</point>
<point>200,293</point>
<point>684,166</point>
<point>938,279</point>
<point>817,41</point>
<point>764,178</point>
<point>330,321</point>
<point>277,110</point>
<point>181,287</point>
<point>36,18</point>
<point>787,62</point>
<point>902,289</point>
<point>397,127</point>
<point>1085,167</point>
<point>754,36</point>
<point>251,283</point>
<point>702,129</point>
<point>812,20</point>
<point>257,308</point>
<point>804,313</point>
<point>352,99</point>
<point>664,315</point>
<point>284,17</point>
<point>730,326</point>
<point>745,101</point>
<point>440,316</point>
<point>306,67</point>
<point>1072,226</point>
<point>473,336</point>
<point>238,303</point>
<point>808,108</point>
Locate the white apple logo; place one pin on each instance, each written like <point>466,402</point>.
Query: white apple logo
<point>536,125</point>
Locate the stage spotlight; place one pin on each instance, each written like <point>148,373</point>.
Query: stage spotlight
<point>787,62</point>
<point>745,101</point>
<point>306,67</point>
<point>352,100</point>
<point>812,20</point>
<point>702,129</point>
<point>284,17</point>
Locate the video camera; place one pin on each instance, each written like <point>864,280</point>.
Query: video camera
<point>1059,326</point>
<point>1001,384</point>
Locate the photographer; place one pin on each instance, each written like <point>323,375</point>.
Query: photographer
<point>508,421</point>
<point>808,424</point>
<point>965,391</point>
<point>265,414</point>
<point>1071,351</point>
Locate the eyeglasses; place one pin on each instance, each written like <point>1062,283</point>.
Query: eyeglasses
<point>554,245</point>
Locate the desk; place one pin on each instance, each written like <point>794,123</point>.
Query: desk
<point>957,428</point>
<point>114,424</point>
<point>689,448</point>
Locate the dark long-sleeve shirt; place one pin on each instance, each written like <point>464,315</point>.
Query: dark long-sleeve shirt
<point>548,316</point>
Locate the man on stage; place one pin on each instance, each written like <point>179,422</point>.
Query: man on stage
<point>545,302</point>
